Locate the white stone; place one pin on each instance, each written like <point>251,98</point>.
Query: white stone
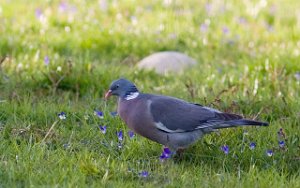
<point>167,62</point>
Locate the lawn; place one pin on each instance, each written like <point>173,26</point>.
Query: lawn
<point>61,56</point>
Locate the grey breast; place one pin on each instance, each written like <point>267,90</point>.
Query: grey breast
<point>136,114</point>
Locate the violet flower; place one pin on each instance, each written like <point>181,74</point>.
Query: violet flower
<point>46,60</point>
<point>281,144</point>
<point>203,27</point>
<point>269,153</point>
<point>130,134</point>
<point>144,174</point>
<point>120,135</point>
<point>252,145</point>
<point>99,114</point>
<point>297,76</point>
<point>38,13</point>
<point>225,30</point>
<point>225,149</point>
<point>166,154</point>
<point>62,115</point>
<point>102,129</point>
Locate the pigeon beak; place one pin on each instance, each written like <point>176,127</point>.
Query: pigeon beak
<point>108,94</point>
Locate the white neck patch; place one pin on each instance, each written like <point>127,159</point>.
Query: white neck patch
<point>132,95</point>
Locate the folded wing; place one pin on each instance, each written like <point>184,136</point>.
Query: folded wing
<point>174,115</point>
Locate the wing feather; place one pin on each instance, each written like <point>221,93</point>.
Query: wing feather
<point>175,115</point>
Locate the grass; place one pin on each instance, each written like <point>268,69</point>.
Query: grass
<point>248,53</point>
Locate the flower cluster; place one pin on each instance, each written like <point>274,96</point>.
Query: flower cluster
<point>281,143</point>
<point>120,137</point>
<point>100,114</point>
<point>167,153</point>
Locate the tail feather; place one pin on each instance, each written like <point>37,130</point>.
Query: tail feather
<point>240,122</point>
<point>228,116</point>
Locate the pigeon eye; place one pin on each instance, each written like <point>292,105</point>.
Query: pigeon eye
<point>115,87</point>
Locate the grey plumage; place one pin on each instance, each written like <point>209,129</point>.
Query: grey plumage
<point>167,120</point>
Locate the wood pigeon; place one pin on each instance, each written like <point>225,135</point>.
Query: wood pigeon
<point>167,120</point>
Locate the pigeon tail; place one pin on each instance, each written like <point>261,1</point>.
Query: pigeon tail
<point>240,122</point>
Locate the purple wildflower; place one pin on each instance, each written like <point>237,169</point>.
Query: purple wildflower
<point>46,60</point>
<point>38,13</point>
<point>203,27</point>
<point>120,135</point>
<point>208,7</point>
<point>225,149</point>
<point>144,174</point>
<point>242,20</point>
<point>225,30</point>
<point>99,114</point>
<point>166,154</point>
<point>130,134</point>
<point>62,115</point>
<point>167,151</point>
<point>162,157</point>
<point>252,145</point>
<point>103,5</point>
<point>281,144</point>
<point>297,76</point>
<point>63,7</point>
<point>269,153</point>
<point>102,129</point>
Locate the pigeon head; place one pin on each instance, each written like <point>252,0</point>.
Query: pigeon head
<point>121,88</point>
